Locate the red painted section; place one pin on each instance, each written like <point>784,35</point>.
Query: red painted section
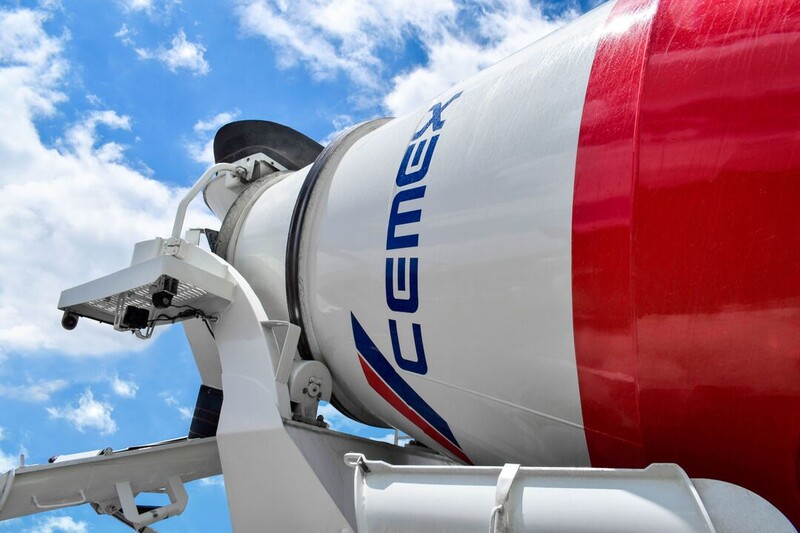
<point>605,337</point>
<point>395,401</point>
<point>686,252</point>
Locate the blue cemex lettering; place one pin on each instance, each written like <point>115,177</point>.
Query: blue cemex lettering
<point>436,117</point>
<point>402,305</point>
<point>404,177</point>
<point>398,218</point>
<point>420,365</point>
<point>402,297</point>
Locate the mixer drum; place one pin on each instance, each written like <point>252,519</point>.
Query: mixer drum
<point>586,254</point>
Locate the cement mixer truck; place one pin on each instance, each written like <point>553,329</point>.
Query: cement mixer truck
<point>572,279</point>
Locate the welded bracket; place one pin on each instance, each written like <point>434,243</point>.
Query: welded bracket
<point>498,521</point>
<point>177,497</point>
<point>285,362</point>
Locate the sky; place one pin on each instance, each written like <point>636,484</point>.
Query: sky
<point>108,109</point>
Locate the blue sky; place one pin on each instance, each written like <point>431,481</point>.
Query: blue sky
<point>107,110</point>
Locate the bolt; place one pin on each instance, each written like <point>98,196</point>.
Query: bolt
<point>241,174</point>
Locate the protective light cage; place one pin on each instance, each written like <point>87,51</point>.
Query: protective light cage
<point>140,297</point>
<point>202,287</point>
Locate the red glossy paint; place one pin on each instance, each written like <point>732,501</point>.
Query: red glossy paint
<point>605,335</point>
<point>686,244</point>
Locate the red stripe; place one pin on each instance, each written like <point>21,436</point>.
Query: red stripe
<point>395,401</point>
<point>686,244</point>
<point>601,245</point>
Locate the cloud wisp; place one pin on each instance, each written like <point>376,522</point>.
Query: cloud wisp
<point>184,412</point>
<point>201,148</point>
<point>88,414</point>
<point>137,5</point>
<point>359,39</point>
<point>33,391</point>
<point>124,388</point>
<point>59,524</point>
<point>71,211</point>
<point>180,54</point>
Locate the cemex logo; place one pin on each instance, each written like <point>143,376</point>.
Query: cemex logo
<point>402,289</point>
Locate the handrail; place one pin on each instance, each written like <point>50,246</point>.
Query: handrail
<point>207,176</point>
<point>60,504</point>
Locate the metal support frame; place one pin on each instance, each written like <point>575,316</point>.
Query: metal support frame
<point>659,498</point>
<point>59,505</point>
<point>285,362</point>
<point>274,468</point>
<point>498,520</point>
<point>177,497</point>
<point>254,445</point>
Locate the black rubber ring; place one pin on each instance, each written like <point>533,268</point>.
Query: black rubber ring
<point>296,233</point>
<point>293,246</point>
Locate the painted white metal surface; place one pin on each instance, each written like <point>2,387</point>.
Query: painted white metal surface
<point>325,449</point>
<point>221,192</point>
<point>264,469</point>
<point>203,281</point>
<point>258,249</point>
<point>446,229</point>
<point>496,208</point>
<point>277,470</point>
<point>660,498</point>
<point>271,474</point>
<point>32,489</point>
<point>205,353</point>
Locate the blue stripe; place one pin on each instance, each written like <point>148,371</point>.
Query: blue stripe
<point>386,371</point>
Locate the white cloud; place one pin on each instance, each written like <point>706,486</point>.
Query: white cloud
<point>169,399</point>
<point>212,124</point>
<point>509,27</point>
<point>121,387</point>
<point>70,213</point>
<point>122,32</point>
<point>359,37</point>
<point>201,149</point>
<point>82,136</point>
<point>89,413</point>
<point>340,123</point>
<point>31,64</point>
<point>39,391</point>
<point>158,11</point>
<point>137,5</point>
<point>336,36</point>
<point>182,54</point>
<point>60,524</point>
<point>125,35</point>
<point>185,413</point>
